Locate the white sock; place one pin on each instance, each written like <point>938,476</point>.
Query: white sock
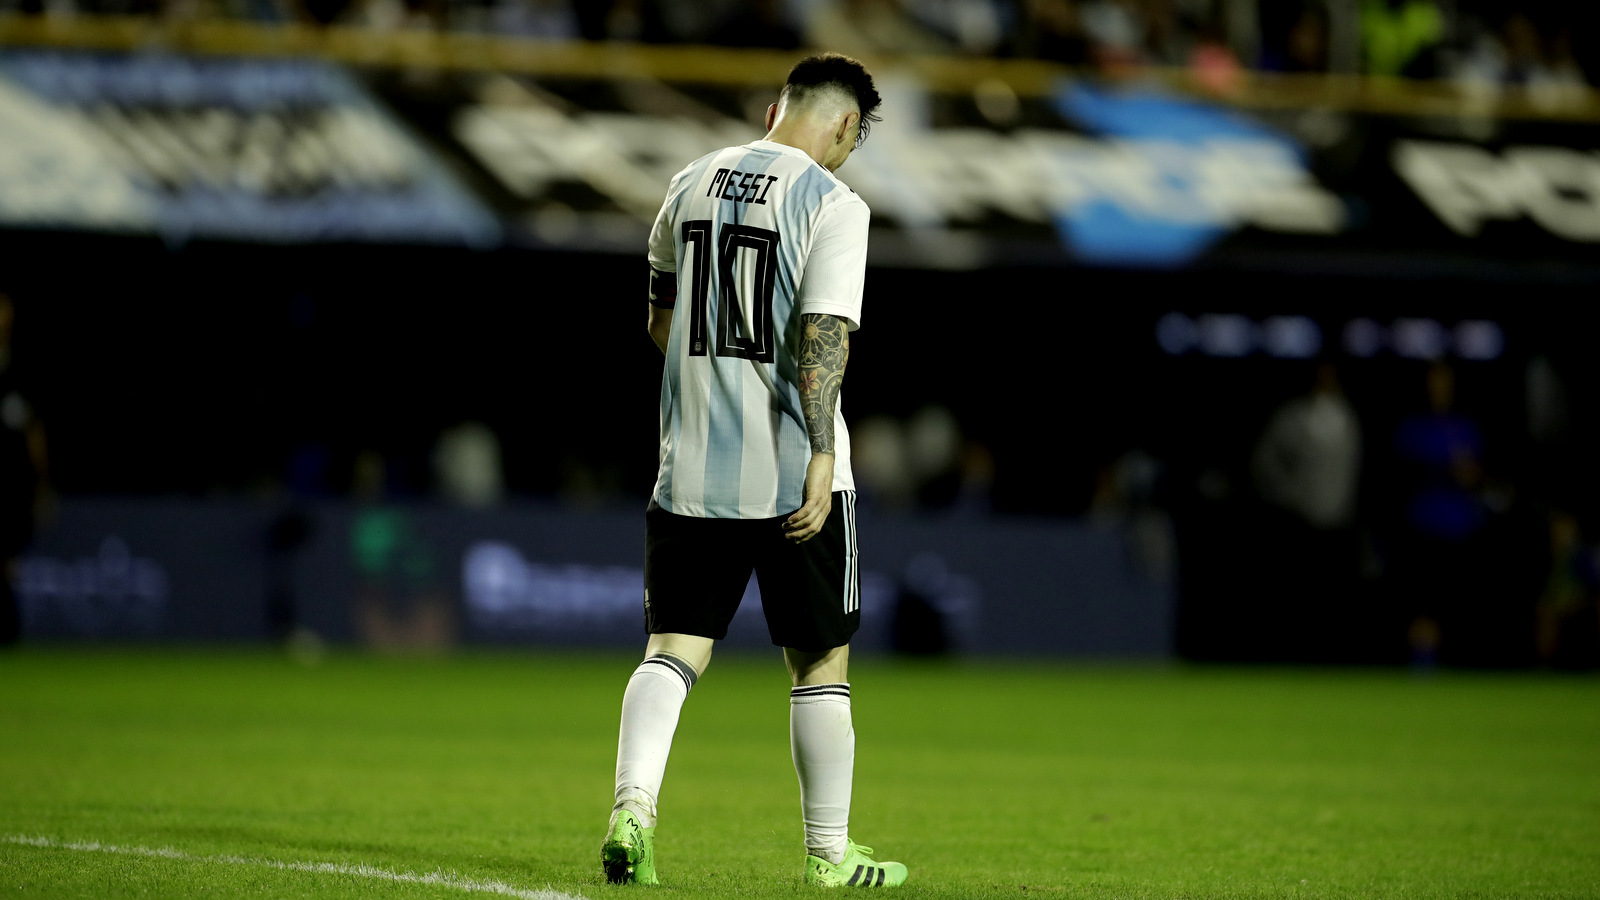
<point>650,708</point>
<point>823,741</point>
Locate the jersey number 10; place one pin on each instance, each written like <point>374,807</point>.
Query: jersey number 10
<point>752,340</point>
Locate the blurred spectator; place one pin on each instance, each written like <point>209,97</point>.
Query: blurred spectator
<point>1401,37</point>
<point>1051,30</point>
<point>323,12</point>
<point>1569,609</point>
<point>878,459</point>
<point>1520,53</point>
<point>287,533</point>
<point>24,473</point>
<point>395,15</point>
<point>1306,467</point>
<point>923,463</point>
<point>976,493</point>
<point>467,468</point>
<point>622,20</point>
<point>1173,31</point>
<point>1125,496</point>
<point>1441,452</point>
<point>399,604</point>
<point>758,23</point>
<point>869,28</point>
<point>933,456</point>
<point>1213,63</point>
<point>258,10</point>
<point>585,483</point>
<point>1116,32</point>
<point>103,7</point>
<point>1295,37</point>
<point>543,19</point>
<point>973,26</point>
<point>1308,460</point>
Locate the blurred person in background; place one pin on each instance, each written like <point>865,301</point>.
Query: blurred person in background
<point>1401,37</point>
<point>755,470</point>
<point>467,468</point>
<point>974,27</point>
<point>1519,52</point>
<point>1307,466</point>
<point>24,472</point>
<point>1116,30</point>
<point>622,20</point>
<point>879,458</point>
<point>1441,454</point>
<point>933,454</point>
<point>1308,460</point>
<point>1051,30</point>
<point>869,28</point>
<point>1126,495</point>
<point>1212,63</point>
<point>395,15</point>
<point>400,603</point>
<point>552,20</point>
<point>1295,37</point>
<point>1176,29</point>
<point>758,23</point>
<point>1568,619</point>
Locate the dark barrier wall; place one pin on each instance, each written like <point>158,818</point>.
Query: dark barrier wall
<point>418,576</point>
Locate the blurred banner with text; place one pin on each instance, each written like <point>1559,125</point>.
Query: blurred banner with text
<point>1119,175</point>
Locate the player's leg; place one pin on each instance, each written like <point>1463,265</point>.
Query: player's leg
<point>822,740</point>
<point>650,709</point>
<point>811,595</point>
<point>695,574</point>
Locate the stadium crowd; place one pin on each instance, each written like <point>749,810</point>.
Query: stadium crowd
<point>1542,45</point>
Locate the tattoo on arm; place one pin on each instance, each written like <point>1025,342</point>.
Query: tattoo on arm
<point>824,350</point>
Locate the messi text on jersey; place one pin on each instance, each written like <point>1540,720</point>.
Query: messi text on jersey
<point>741,187</point>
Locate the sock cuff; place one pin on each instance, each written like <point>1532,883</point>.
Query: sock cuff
<point>670,667</point>
<point>808,693</point>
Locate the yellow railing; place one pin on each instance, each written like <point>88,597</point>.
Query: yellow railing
<point>765,68</point>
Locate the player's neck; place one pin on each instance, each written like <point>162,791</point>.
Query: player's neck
<point>808,140</point>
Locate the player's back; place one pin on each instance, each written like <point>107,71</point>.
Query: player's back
<point>758,235</point>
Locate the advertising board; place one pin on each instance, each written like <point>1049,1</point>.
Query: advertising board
<point>424,578</point>
<point>1076,172</point>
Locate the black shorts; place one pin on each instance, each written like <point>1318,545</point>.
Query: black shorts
<point>696,570</point>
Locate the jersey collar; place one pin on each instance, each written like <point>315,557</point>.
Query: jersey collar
<point>780,148</point>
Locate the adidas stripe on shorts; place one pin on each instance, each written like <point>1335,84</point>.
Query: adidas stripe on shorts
<point>696,570</point>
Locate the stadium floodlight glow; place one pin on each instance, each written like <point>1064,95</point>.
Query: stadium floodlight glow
<point>1363,338</point>
<point>1479,339</point>
<point>1419,338</point>
<point>1291,337</point>
<point>1176,334</point>
<point>1227,335</point>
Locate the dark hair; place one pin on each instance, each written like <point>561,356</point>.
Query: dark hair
<point>835,70</point>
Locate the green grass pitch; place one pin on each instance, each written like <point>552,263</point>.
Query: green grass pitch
<point>254,776</point>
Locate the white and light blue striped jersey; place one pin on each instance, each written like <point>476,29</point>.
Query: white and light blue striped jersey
<point>758,235</point>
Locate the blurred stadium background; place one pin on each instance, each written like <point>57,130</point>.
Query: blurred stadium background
<point>1212,329</point>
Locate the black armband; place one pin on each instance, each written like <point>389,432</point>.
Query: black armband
<point>663,289</point>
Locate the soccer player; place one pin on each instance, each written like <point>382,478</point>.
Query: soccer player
<point>757,262</point>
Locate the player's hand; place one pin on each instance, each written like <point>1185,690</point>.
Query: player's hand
<point>807,521</point>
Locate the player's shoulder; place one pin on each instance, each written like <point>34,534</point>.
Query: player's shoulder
<point>843,200</point>
<point>693,169</point>
<point>842,196</point>
<point>828,194</point>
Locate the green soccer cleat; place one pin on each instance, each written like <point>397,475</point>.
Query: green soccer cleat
<point>629,854</point>
<point>859,869</point>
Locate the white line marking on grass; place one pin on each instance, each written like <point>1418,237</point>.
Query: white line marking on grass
<point>359,870</point>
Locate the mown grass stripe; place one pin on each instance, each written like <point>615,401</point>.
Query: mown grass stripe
<point>359,870</point>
